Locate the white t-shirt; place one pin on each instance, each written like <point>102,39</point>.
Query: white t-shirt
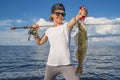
<point>59,38</point>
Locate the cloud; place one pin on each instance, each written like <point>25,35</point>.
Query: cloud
<point>19,21</point>
<point>108,29</point>
<point>17,37</point>
<point>105,40</point>
<point>43,22</point>
<point>102,21</point>
<point>102,26</point>
<point>13,37</point>
<point>8,22</point>
<point>5,22</point>
<point>103,29</point>
<point>99,30</point>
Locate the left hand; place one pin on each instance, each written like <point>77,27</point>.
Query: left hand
<point>82,13</point>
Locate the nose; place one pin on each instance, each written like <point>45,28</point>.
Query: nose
<point>60,15</point>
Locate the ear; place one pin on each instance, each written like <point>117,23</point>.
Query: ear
<point>51,17</point>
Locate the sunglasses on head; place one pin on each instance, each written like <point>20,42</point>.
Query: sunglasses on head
<point>58,13</point>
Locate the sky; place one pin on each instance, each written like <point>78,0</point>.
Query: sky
<point>103,19</point>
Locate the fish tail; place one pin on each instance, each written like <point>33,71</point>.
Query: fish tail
<point>78,69</point>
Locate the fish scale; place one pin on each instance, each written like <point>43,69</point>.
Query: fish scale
<point>81,43</point>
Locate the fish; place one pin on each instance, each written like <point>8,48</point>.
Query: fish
<point>81,41</point>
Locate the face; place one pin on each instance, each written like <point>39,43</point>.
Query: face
<point>58,16</point>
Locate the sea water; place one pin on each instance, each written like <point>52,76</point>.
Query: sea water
<point>28,62</point>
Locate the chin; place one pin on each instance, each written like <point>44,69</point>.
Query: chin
<point>60,22</point>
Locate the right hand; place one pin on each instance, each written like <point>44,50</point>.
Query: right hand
<point>35,26</point>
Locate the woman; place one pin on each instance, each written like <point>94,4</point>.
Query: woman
<point>59,39</point>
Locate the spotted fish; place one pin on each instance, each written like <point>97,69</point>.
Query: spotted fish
<point>81,43</point>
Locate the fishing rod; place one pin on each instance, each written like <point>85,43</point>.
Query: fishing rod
<point>31,29</point>
<point>27,27</point>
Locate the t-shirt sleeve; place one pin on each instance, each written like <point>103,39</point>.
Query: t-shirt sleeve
<point>47,32</point>
<point>66,28</point>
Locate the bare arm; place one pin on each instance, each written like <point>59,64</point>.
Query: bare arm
<point>74,20</point>
<point>41,40</point>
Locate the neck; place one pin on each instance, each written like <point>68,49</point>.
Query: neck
<point>57,24</point>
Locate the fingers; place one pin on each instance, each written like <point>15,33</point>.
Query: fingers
<point>36,26</point>
<point>83,11</point>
